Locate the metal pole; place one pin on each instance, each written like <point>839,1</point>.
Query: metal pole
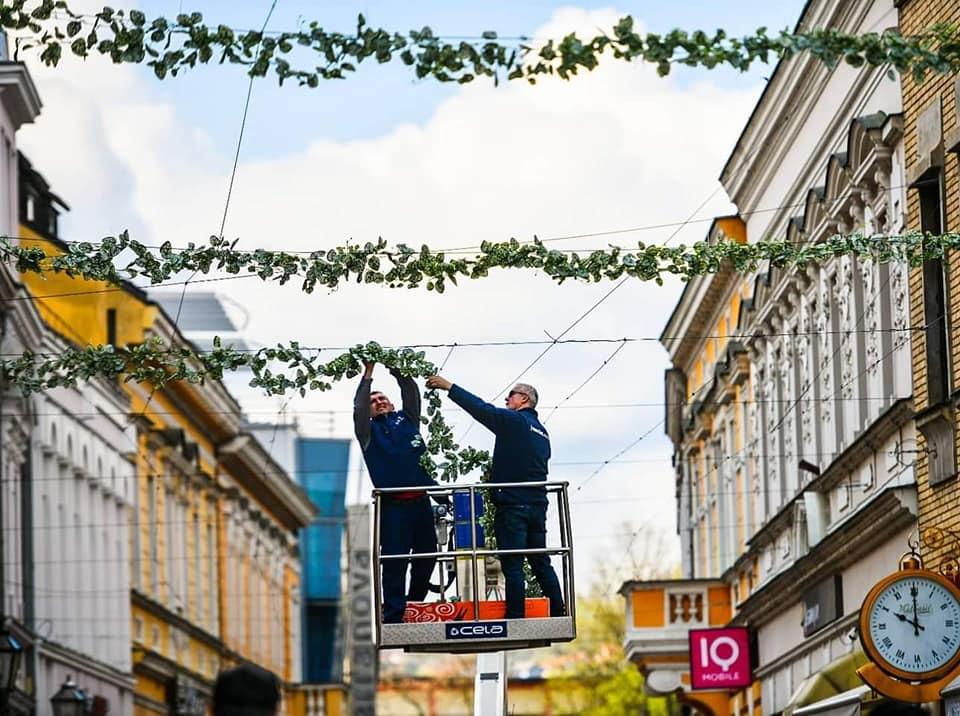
<point>473,557</point>
<point>377,600</point>
<point>571,597</point>
<point>565,543</point>
<point>490,684</point>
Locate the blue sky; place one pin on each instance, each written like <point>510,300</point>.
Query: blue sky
<point>379,98</point>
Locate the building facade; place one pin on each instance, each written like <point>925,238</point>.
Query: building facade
<point>20,329</point>
<point>83,479</point>
<point>789,400</point>
<point>931,150</point>
<point>212,541</point>
<point>322,465</point>
<point>319,465</point>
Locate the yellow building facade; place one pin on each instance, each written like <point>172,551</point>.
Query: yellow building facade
<point>932,148</point>
<point>932,156</point>
<point>214,526</point>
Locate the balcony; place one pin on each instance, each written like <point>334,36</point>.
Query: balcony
<point>658,619</point>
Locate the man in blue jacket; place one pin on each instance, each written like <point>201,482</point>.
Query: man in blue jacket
<point>520,454</point>
<point>392,447</point>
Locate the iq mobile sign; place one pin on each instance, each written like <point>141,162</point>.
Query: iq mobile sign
<point>720,658</point>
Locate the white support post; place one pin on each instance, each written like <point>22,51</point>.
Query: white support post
<point>490,685</point>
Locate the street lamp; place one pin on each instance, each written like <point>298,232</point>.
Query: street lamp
<point>10,653</point>
<point>69,700</point>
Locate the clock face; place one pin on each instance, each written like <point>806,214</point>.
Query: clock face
<point>914,625</point>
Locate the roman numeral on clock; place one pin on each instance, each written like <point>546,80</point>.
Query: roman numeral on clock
<point>882,627</point>
<point>948,623</point>
<point>887,642</point>
<point>900,653</point>
<point>916,658</point>
<point>946,640</point>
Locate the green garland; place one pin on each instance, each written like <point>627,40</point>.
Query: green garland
<point>159,365</point>
<point>405,267</point>
<point>171,46</point>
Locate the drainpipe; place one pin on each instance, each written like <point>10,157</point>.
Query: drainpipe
<point>3,541</point>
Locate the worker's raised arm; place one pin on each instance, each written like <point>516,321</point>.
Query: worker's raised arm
<point>409,395</point>
<point>488,415</point>
<point>361,407</point>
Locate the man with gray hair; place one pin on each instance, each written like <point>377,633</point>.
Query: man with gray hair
<point>520,454</point>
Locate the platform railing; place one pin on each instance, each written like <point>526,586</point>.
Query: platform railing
<point>475,553</point>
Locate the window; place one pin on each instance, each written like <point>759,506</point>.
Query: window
<point>172,556</point>
<point>112,326</point>
<point>152,528</point>
<point>211,576</point>
<point>934,294</point>
<point>935,423</point>
<point>183,562</point>
<point>137,565</point>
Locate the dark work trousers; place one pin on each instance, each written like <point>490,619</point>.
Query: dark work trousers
<point>525,527</point>
<point>405,526</point>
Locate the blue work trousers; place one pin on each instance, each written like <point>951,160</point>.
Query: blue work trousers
<point>405,526</point>
<point>525,527</point>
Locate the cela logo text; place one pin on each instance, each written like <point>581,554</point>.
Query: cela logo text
<point>478,630</point>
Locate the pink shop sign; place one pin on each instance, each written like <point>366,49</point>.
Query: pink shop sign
<point>720,658</point>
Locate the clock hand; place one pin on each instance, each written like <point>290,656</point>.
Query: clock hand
<point>916,623</point>
<point>917,626</point>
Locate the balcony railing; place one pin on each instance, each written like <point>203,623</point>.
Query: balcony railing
<point>660,613</point>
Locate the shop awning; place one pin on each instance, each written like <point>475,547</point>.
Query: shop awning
<point>843,704</point>
<point>836,680</point>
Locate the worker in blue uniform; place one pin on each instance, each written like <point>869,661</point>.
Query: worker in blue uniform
<point>392,446</point>
<point>520,454</point>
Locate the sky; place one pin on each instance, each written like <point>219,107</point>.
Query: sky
<point>382,154</point>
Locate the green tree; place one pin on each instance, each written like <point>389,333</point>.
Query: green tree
<point>595,660</point>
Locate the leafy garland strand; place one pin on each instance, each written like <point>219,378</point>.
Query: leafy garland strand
<point>153,362</point>
<point>171,46</point>
<point>404,267</point>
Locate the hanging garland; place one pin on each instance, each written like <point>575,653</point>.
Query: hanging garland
<point>404,267</point>
<point>169,47</point>
<point>154,363</point>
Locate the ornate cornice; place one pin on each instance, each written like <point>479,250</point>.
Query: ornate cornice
<point>18,94</point>
<point>893,509</point>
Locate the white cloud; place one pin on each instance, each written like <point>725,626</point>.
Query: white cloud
<point>616,148</point>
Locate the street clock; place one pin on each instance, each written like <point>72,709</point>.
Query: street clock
<point>910,625</point>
